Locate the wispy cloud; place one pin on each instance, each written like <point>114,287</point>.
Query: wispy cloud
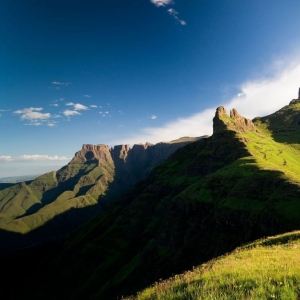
<point>6,158</point>
<point>32,113</point>
<point>93,106</point>
<point>172,12</point>
<point>257,97</point>
<point>34,124</point>
<point>34,157</point>
<point>159,3</point>
<point>54,104</point>
<point>69,113</point>
<point>35,116</point>
<point>153,117</point>
<point>77,106</point>
<point>60,83</point>
<point>87,96</point>
<point>41,157</point>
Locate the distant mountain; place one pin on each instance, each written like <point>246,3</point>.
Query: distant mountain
<point>15,179</point>
<point>63,200</point>
<point>206,199</point>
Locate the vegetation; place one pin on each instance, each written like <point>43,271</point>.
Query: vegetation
<point>265,269</point>
<point>207,199</point>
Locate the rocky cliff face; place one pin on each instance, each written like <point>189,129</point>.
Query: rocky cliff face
<point>90,153</point>
<point>131,164</point>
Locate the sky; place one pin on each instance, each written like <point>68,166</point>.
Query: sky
<point>136,71</point>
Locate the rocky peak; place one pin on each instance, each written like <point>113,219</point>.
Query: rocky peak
<point>234,121</point>
<point>218,120</point>
<point>89,152</point>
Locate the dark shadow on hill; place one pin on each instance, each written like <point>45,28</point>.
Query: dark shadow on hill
<point>57,228</point>
<point>6,185</point>
<point>156,232</point>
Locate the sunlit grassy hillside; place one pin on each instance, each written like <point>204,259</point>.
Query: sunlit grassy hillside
<point>266,269</point>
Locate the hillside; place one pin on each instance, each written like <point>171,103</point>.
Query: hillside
<point>55,203</point>
<point>265,269</point>
<point>206,199</point>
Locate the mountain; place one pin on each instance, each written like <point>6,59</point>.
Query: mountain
<point>54,204</point>
<point>206,199</point>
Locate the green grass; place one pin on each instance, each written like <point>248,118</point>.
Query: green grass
<point>265,269</point>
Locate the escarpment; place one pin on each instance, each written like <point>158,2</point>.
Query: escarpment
<point>96,176</point>
<point>92,153</point>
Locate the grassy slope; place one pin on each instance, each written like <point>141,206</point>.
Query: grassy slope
<point>27,206</point>
<point>265,269</point>
<point>260,271</point>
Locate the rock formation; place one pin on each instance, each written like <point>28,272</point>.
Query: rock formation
<point>235,121</point>
<point>92,153</point>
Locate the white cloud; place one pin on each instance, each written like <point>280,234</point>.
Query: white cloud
<point>55,104</point>
<point>77,106</point>
<point>80,107</point>
<point>260,96</point>
<point>60,83</point>
<point>93,106</point>
<point>32,113</point>
<point>40,157</point>
<point>69,113</point>
<point>153,117</point>
<point>6,158</point>
<point>87,96</point>
<point>159,3</point>
<point>34,124</point>
<point>172,12</point>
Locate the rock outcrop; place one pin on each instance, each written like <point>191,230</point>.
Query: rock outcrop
<point>234,121</point>
<point>92,153</point>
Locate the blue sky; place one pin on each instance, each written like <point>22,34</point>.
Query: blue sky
<point>131,71</point>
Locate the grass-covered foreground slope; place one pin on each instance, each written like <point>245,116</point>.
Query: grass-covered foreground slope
<point>265,269</point>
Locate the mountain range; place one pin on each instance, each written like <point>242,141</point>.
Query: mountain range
<point>200,202</point>
<point>54,204</point>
